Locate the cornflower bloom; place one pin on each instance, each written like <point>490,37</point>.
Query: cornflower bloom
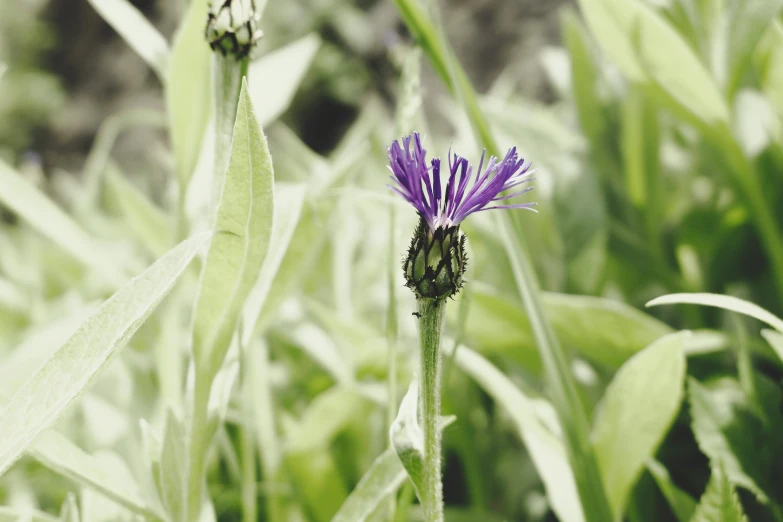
<point>436,258</point>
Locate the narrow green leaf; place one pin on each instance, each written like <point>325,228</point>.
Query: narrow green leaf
<point>22,362</point>
<point>236,253</point>
<point>728,432</point>
<point>647,48</point>
<point>136,30</point>
<point>720,502</point>
<point>275,78</point>
<point>726,302</point>
<point>105,472</point>
<point>44,397</point>
<point>383,478</point>
<point>637,410</point>
<point>544,446</point>
<point>146,220</point>
<point>17,514</point>
<point>681,503</point>
<point>189,91</point>
<point>47,218</point>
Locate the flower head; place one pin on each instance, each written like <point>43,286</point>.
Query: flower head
<point>442,207</point>
<point>232,27</point>
<point>436,259</point>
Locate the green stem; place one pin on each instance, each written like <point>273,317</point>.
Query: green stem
<point>431,319</point>
<point>249,488</point>
<point>199,443</point>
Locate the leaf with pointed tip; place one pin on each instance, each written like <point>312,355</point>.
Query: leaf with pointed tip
<point>637,409</point>
<point>720,502</point>
<point>242,230</point>
<point>64,376</point>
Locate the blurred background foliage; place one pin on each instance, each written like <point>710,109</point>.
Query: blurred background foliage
<point>655,126</point>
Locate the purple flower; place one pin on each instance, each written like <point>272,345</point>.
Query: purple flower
<point>464,194</point>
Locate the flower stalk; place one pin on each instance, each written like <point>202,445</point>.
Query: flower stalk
<point>431,313</point>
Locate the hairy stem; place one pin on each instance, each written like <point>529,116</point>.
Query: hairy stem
<point>431,319</point>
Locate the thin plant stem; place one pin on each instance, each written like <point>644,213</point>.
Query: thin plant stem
<point>199,443</point>
<point>431,319</point>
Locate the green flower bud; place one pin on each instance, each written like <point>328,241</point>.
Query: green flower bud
<point>232,27</point>
<point>436,261</point>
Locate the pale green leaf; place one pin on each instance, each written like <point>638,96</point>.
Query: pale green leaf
<point>681,504</point>
<point>189,91</point>
<point>37,346</point>
<point>637,410</point>
<point>274,78</point>
<point>136,30</point>
<point>726,302</point>
<point>46,395</point>
<point>544,446</point>
<point>47,218</point>
<point>104,472</point>
<point>647,48</point>
<point>236,253</point>
<point>384,476</point>
<point>289,198</point>
<point>720,502</point>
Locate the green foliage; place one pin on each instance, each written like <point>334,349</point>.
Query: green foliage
<point>265,389</point>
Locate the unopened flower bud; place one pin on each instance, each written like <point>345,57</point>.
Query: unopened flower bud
<point>436,261</point>
<point>233,27</point>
